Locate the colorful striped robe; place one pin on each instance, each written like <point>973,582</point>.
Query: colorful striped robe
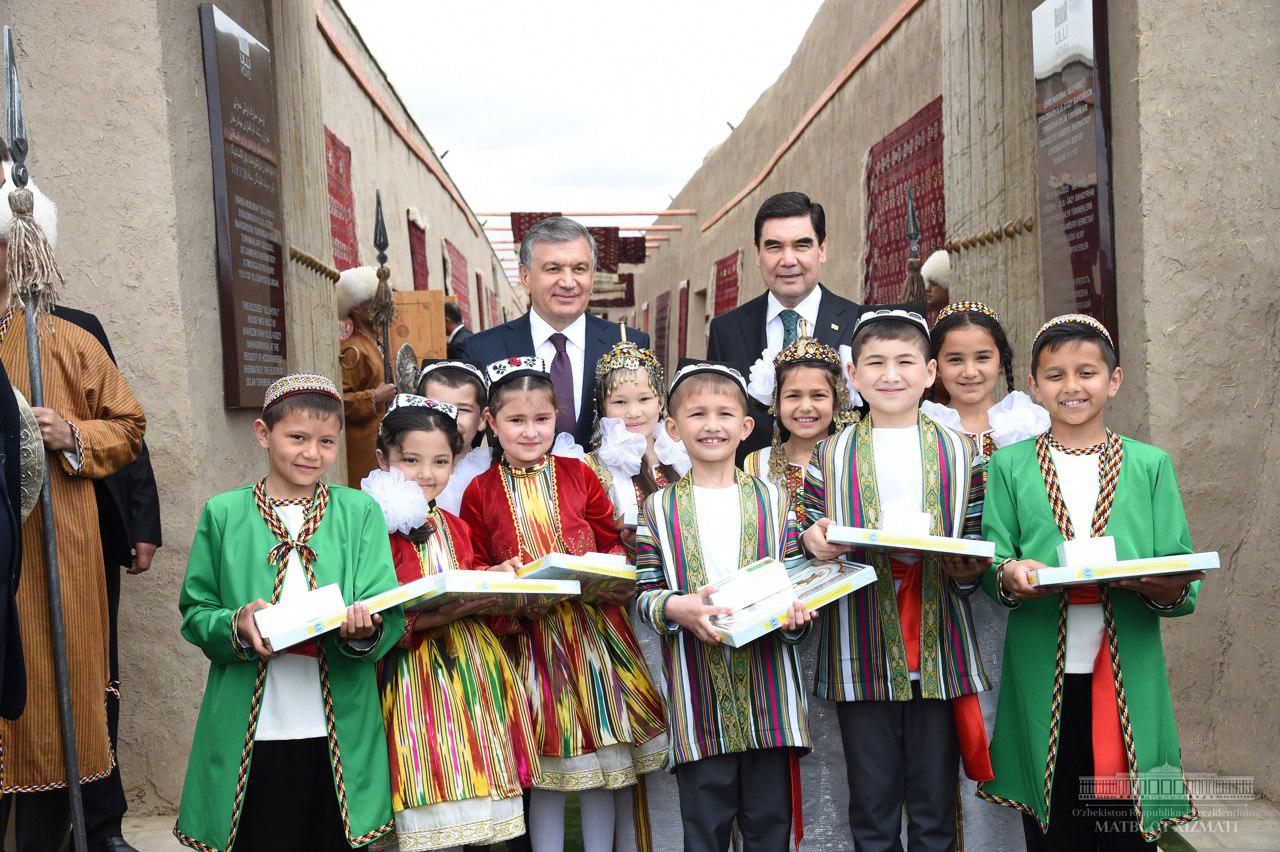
<point>720,700</point>
<point>861,655</point>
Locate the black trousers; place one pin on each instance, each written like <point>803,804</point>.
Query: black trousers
<point>901,753</point>
<point>753,787</point>
<point>290,804</point>
<point>1076,824</point>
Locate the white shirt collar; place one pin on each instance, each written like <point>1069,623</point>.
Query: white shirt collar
<point>807,309</point>
<point>541,331</point>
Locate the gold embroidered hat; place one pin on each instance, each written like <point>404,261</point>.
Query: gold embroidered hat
<point>1082,319</point>
<point>966,308</point>
<point>299,383</point>
<point>627,356</point>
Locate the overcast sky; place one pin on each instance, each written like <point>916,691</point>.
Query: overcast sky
<point>573,105</point>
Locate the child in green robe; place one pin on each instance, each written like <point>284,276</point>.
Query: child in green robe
<point>289,749</point>
<point>1085,742</point>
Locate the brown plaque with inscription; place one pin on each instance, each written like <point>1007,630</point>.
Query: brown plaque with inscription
<point>241,92</point>
<point>1073,163</point>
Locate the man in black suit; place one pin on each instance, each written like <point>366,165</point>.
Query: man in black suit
<point>455,332</point>
<point>557,267</point>
<point>129,522</point>
<point>791,246</point>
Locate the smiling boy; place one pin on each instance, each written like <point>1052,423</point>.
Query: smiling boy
<point>1084,699</point>
<point>289,749</point>
<point>899,657</point>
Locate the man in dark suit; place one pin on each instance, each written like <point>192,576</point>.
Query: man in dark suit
<point>791,246</point>
<point>455,332</point>
<point>557,267</point>
<point>129,522</point>
<point>13,681</point>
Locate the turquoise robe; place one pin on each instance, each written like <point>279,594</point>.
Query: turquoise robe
<point>227,569</point>
<point>1147,520</point>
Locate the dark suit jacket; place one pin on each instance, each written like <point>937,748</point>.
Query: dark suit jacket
<point>456,346</point>
<point>738,337</point>
<point>13,678</point>
<point>515,339</point>
<point>128,502</point>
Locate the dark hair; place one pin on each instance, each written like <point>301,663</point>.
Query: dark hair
<point>785,205</point>
<point>318,405</point>
<point>452,312</point>
<point>992,327</point>
<point>500,394</point>
<point>889,329</point>
<point>415,418</point>
<point>456,377</point>
<point>709,381</point>
<point>1057,336</point>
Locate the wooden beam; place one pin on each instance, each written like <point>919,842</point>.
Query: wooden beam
<point>619,213</point>
<point>620,228</point>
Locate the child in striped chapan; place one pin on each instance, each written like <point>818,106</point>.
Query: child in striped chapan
<point>736,716</point>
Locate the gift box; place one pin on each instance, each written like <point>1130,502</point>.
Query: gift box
<point>888,540</point>
<point>815,584</point>
<point>1122,569</point>
<point>320,610</point>
<point>596,573</point>
<point>509,591</point>
<point>1087,552</point>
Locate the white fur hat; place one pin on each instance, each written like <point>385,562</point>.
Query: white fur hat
<point>937,269</point>
<point>43,209</point>
<point>356,286</point>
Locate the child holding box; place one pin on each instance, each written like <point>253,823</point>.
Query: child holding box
<point>737,716</point>
<point>289,749</point>
<point>900,656</point>
<point>1084,693</point>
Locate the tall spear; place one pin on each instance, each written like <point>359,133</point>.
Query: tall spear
<point>913,286</point>
<point>382,310</point>
<point>34,276</point>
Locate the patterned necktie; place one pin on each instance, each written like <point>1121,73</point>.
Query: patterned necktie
<point>790,327</point>
<point>562,379</point>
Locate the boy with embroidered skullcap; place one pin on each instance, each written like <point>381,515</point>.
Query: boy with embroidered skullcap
<point>737,716</point>
<point>1084,700</point>
<point>899,657</point>
<point>289,749</point>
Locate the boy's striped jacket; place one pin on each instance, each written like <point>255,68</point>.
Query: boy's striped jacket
<point>720,700</point>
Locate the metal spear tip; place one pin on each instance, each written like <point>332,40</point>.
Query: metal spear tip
<point>913,224</point>
<point>380,230</point>
<point>16,125</point>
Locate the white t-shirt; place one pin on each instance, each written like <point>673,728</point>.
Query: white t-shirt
<point>899,479</point>
<point>720,529</point>
<point>1078,479</point>
<point>292,708</point>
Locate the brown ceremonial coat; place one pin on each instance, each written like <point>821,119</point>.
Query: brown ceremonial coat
<point>361,374</point>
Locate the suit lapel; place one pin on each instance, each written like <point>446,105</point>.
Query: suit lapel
<point>835,320</point>
<point>519,339</point>
<point>755,321</point>
<point>599,338</point>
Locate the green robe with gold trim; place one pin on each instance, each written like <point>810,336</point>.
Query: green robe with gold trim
<point>227,569</point>
<point>1147,520</point>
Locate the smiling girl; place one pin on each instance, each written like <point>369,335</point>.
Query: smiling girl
<point>810,401</point>
<point>458,728</point>
<point>598,720</point>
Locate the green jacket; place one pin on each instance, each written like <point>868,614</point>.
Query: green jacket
<point>1146,520</point>
<point>227,569</point>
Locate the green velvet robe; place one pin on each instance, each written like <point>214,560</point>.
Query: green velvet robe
<point>227,569</point>
<point>1146,520</point>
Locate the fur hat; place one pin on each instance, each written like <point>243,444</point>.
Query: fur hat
<point>43,209</point>
<point>937,269</point>
<point>356,286</point>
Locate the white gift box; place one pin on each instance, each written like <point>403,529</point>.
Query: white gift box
<point>753,583</point>
<point>597,573</point>
<point>899,521</point>
<point>511,592</point>
<point>630,517</point>
<point>860,537</point>
<point>1120,570</point>
<point>300,618</point>
<point>815,583</point>
<point>1087,552</point>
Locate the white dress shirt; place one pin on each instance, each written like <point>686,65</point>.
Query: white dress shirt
<point>807,309</point>
<point>576,349</point>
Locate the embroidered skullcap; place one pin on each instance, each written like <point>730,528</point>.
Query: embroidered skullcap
<point>510,368</point>
<point>429,367</point>
<point>412,400</point>
<point>690,367</point>
<point>299,383</point>
<point>911,313</point>
<point>1082,319</point>
<point>967,308</point>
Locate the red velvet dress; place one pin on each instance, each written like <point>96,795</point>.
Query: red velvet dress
<point>598,720</point>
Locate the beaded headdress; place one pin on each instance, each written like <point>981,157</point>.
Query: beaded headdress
<point>412,400</point>
<point>510,368</point>
<point>966,308</point>
<point>1082,319</point>
<point>299,383</point>
<point>626,356</point>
